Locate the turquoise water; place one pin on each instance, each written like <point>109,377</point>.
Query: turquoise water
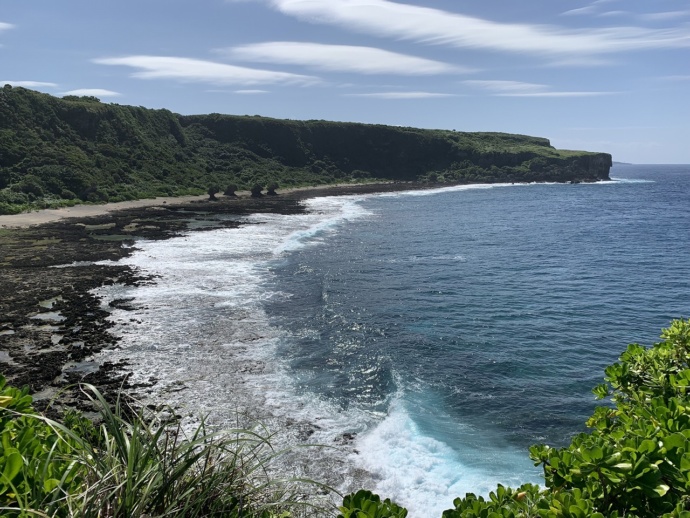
<point>449,330</point>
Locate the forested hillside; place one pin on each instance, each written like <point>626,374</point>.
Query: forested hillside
<point>56,151</point>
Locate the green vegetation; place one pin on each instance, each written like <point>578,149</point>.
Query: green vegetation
<point>635,461</point>
<point>56,152</point>
<point>134,467</point>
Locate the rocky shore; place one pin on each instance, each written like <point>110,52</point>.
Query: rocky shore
<point>51,324</point>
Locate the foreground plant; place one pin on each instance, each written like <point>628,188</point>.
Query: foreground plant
<point>37,469</point>
<point>135,466</point>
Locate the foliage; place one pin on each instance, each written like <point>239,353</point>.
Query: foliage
<point>256,190</point>
<point>80,148</point>
<point>37,469</point>
<point>134,467</point>
<point>212,191</point>
<point>365,504</point>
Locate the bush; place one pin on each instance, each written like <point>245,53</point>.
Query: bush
<point>256,190</point>
<point>271,188</point>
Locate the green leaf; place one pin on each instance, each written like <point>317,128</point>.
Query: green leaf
<point>13,465</point>
<point>662,489</point>
<point>676,440</point>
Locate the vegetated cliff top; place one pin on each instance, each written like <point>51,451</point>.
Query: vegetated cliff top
<point>58,150</point>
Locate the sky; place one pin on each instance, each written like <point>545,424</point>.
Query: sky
<point>603,75</point>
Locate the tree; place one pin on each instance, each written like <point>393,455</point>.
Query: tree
<point>271,188</point>
<point>212,191</point>
<point>256,190</point>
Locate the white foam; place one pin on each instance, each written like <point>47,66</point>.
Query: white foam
<point>452,188</point>
<point>628,180</point>
<point>425,475</point>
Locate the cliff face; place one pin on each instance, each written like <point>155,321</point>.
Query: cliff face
<point>79,147</point>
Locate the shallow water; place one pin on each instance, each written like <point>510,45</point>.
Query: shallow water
<point>448,330</point>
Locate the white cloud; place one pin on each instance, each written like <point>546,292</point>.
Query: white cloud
<point>251,92</point>
<point>402,95</point>
<point>669,15</point>
<point>95,92</point>
<point>199,71</point>
<point>555,94</point>
<point>434,26</point>
<point>342,58</point>
<point>501,88</point>
<point>590,9</point>
<point>613,13</point>
<point>5,26</point>
<point>498,86</point>
<point>29,84</point>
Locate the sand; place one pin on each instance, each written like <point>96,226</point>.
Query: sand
<point>39,217</point>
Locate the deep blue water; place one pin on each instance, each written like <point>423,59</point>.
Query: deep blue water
<point>496,308</point>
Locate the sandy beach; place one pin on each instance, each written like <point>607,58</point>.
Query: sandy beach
<point>40,217</point>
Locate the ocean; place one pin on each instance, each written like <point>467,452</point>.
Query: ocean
<point>428,338</point>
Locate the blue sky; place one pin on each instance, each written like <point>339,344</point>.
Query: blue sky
<point>604,75</point>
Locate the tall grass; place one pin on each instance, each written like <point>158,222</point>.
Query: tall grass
<point>132,464</point>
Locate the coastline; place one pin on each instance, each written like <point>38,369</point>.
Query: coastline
<point>52,324</point>
<point>40,217</point>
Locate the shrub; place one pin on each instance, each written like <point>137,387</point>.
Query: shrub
<point>256,190</point>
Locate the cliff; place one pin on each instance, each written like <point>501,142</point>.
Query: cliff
<point>76,148</point>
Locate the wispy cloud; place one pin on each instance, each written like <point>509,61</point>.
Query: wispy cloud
<point>498,86</point>
<point>402,95</point>
<point>341,58</point>
<point>592,8</point>
<point>95,92</point>
<point>435,26</point>
<point>251,92</point>
<point>588,9</point>
<point>501,88</point>
<point>29,84</point>
<point>5,26</point>
<point>200,71</point>
<point>664,16</point>
<point>676,78</point>
<point>555,94</point>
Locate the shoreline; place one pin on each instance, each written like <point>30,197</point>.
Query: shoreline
<point>43,216</point>
<point>55,324</point>
<point>51,323</point>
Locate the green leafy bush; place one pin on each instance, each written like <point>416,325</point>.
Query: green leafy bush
<point>365,504</point>
<point>37,469</point>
